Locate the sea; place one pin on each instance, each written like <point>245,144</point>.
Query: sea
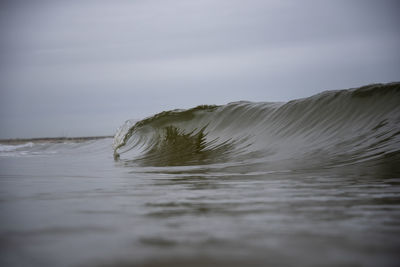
<point>309,182</point>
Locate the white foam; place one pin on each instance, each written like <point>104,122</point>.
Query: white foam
<point>11,148</point>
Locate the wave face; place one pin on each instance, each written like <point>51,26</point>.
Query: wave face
<point>330,129</point>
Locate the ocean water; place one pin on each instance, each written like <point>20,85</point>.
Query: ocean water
<point>310,182</point>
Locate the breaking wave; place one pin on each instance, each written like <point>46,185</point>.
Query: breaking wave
<point>333,128</point>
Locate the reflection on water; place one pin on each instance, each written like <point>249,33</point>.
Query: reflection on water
<point>57,211</point>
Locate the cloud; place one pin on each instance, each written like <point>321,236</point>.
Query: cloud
<point>74,59</point>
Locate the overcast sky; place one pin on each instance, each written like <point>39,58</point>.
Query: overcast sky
<point>83,67</point>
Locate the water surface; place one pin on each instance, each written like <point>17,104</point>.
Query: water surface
<point>311,182</point>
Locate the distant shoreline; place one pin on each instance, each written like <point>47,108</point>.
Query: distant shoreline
<point>17,141</point>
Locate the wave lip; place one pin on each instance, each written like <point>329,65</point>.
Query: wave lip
<point>327,129</point>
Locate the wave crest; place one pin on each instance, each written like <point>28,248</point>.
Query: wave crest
<point>330,128</point>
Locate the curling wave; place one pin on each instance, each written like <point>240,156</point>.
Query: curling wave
<point>332,128</point>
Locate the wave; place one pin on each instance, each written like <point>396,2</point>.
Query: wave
<point>332,128</point>
<point>54,146</point>
<point>11,148</point>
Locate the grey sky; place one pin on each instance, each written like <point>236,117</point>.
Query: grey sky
<point>83,67</point>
